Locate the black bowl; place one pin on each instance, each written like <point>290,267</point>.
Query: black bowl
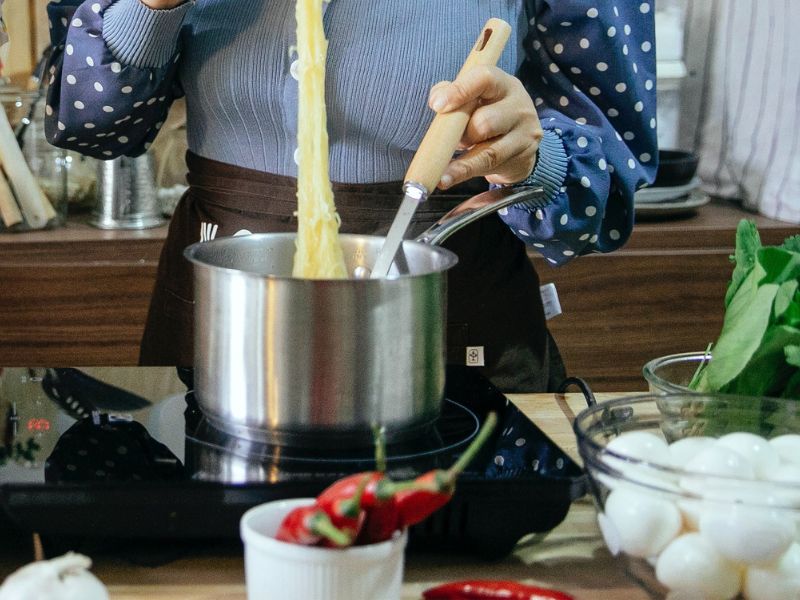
<point>675,167</point>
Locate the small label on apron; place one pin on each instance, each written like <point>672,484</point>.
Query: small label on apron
<point>475,356</point>
<point>552,307</point>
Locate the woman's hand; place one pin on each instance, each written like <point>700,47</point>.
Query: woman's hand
<point>162,4</point>
<point>502,135</point>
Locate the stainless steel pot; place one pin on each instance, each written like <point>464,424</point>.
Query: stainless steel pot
<point>321,361</point>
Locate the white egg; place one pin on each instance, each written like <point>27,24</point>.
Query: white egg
<point>685,449</point>
<point>761,454</point>
<point>692,568</point>
<point>645,523</point>
<point>753,535</point>
<point>610,533</point>
<point>779,581</point>
<point>641,445</point>
<point>787,447</point>
<point>715,460</point>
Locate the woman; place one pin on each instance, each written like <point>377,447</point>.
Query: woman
<point>582,125</point>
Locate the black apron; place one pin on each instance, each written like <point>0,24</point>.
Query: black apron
<point>495,316</point>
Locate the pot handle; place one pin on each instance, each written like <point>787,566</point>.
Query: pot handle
<point>478,207</point>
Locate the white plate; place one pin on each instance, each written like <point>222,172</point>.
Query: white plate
<point>677,207</point>
<point>666,194</point>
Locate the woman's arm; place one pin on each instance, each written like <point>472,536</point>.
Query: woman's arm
<point>113,73</point>
<point>591,71</point>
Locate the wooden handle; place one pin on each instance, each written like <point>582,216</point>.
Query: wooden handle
<point>36,209</point>
<point>9,211</point>
<point>441,140</point>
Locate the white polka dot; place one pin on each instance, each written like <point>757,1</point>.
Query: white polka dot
<point>635,68</point>
<point>564,219</point>
<point>644,8</point>
<point>619,138</point>
<point>594,91</point>
<point>581,120</point>
<point>601,66</point>
<point>108,109</point>
<point>631,163</point>
<point>116,67</point>
<point>653,123</point>
<point>538,245</point>
<point>502,212</point>
<point>613,234</point>
<point>90,61</point>
<point>644,157</point>
<point>565,23</point>
<point>523,232</point>
<point>602,164</point>
<point>71,79</point>
<point>76,22</point>
<point>98,86</point>
<point>126,89</point>
<point>591,211</point>
<point>554,68</point>
<point>147,146</point>
<point>137,121</point>
<point>78,104</point>
<point>582,142</point>
<point>122,139</point>
<point>592,13</point>
<point>612,31</point>
<point>48,110</point>
<point>621,87</point>
<point>107,153</point>
<point>137,104</point>
<point>584,43</point>
<point>541,28</point>
<point>563,101</point>
<point>628,135</point>
<point>558,48</point>
<point>639,106</point>
<point>297,156</point>
<point>159,124</point>
<point>151,101</point>
<point>625,49</point>
<point>499,460</point>
<point>70,49</point>
<point>627,29</point>
<point>539,214</point>
<point>593,239</point>
<point>568,253</point>
<point>585,182</point>
<point>538,102</point>
<point>616,11</point>
<point>95,8</point>
<point>552,261</point>
<point>646,46</point>
<point>648,85</point>
<point>89,125</point>
<point>613,112</point>
<point>537,45</point>
<point>71,139</point>
<point>61,126</point>
<point>584,237</point>
<point>294,70</point>
<point>100,135</point>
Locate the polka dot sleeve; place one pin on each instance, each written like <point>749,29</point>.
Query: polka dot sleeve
<point>108,102</point>
<point>591,71</point>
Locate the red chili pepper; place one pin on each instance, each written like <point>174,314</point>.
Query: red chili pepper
<point>434,489</point>
<point>488,589</point>
<point>310,525</point>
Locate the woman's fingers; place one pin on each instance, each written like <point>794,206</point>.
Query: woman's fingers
<point>503,160</point>
<point>480,83</point>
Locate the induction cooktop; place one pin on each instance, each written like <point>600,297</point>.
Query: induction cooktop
<point>124,453</point>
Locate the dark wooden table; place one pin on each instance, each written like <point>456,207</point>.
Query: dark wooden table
<point>79,296</point>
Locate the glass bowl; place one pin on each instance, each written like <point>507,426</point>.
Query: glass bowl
<point>698,494</point>
<point>672,373</point>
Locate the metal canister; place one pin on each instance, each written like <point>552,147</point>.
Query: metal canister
<point>126,194</point>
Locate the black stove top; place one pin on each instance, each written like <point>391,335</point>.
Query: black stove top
<point>125,453</point>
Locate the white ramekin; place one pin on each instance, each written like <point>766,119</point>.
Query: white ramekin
<point>275,569</point>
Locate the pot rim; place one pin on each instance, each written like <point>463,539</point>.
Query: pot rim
<point>190,253</point>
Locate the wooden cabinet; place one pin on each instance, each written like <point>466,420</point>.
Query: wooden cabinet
<point>79,296</point>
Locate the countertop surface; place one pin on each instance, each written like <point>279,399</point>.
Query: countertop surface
<point>571,558</point>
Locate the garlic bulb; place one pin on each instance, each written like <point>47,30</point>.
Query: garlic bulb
<point>66,578</point>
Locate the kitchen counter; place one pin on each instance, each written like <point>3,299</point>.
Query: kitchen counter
<point>79,295</point>
<point>572,557</point>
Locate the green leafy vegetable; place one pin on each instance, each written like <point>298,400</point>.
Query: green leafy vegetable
<point>758,350</point>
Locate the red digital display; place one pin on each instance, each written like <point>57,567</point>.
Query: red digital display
<point>38,424</point>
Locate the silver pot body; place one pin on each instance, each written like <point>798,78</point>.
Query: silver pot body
<point>295,360</point>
